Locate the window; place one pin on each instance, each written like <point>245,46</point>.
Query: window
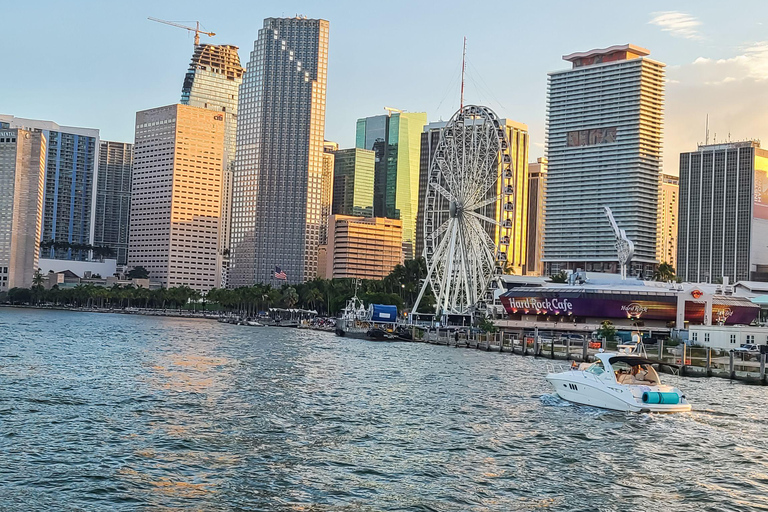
<point>706,337</point>
<point>694,336</point>
<point>733,338</point>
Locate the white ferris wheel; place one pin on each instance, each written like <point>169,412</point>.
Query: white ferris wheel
<point>468,210</point>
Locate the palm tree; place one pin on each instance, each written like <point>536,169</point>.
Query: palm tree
<point>665,272</point>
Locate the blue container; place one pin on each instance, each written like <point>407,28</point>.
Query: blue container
<point>655,397</point>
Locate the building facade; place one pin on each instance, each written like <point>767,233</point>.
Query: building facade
<point>69,192</point>
<point>517,135</point>
<point>326,197</point>
<point>666,240</point>
<point>396,141</point>
<point>176,196</point>
<point>353,182</point>
<point>537,186</point>
<point>113,198</point>
<point>604,132</point>
<point>429,140</point>
<point>277,197</point>
<point>212,82</point>
<point>723,213</point>
<point>22,175</point>
<point>362,247</point>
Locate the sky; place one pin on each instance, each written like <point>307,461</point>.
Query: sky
<point>95,63</point>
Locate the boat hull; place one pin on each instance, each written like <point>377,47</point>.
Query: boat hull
<point>571,386</point>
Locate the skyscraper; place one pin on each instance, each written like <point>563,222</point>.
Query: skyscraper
<point>666,240</point>
<point>69,193</point>
<point>326,197</point>
<point>22,174</point>
<point>429,139</point>
<point>604,126</point>
<point>537,185</point>
<point>212,82</point>
<point>723,213</point>
<point>396,140</point>
<point>363,247</point>
<point>176,195</point>
<point>353,182</point>
<point>277,199</point>
<point>517,135</point>
<point>113,198</point>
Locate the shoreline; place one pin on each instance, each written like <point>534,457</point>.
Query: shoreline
<point>143,312</point>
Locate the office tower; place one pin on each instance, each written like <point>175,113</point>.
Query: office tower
<point>363,247</point>
<point>22,175</point>
<point>113,198</point>
<point>353,182</point>
<point>517,135</point>
<point>176,195</point>
<point>277,199</point>
<point>69,193</point>
<point>326,196</point>
<point>429,140</point>
<point>212,82</point>
<point>723,213</point>
<point>666,240</point>
<point>604,126</point>
<point>537,186</point>
<point>396,140</point>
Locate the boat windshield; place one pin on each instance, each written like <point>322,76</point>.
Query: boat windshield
<point>597,368</point>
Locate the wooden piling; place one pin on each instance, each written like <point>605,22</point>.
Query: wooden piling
<point>568,348</point>
<point>661,349</point>
<point>552,348</point>
<point>682,359</point>
<point>763,357</point>
<point>709,361</point>
<point>731,372</point>
<point>584,351</point>
<point>536,342</point>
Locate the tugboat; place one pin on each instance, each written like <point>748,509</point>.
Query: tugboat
<point>375,323</point>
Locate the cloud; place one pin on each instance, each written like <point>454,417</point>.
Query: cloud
<point>751,64</point>
<point>679,24</point>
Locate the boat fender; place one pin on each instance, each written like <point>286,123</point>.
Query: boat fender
<point>657,397</point>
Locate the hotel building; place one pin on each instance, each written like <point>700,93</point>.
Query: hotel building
<point>537,186</point>
<point>666,240</point>
<point>69,192</point>
<point>113,198</point>
<point>361,247</point>
<point>723,213</point>
<point>603,145</point>
<point>176,195</point>
<point>22,175</point>
<point>353,182</point>
<point>396,141</point>
<point>212,82</point>
<point>277,199</point>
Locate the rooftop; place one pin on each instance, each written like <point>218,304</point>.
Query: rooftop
<point>630,48</point>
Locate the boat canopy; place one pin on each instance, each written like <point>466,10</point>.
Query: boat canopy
<point>636,360</point>
<point>383,313</point>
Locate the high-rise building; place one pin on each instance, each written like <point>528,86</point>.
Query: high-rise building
<point>517,135</point>
<point>537,186</point>
<point>113,198</point>
<point>604,128</point>
<point>723,213</point>
<point>353,182</point>
<point>277,199</point>
<point>363,247</point>
<point>326,197</point>
<point>666,240</point>
<point>69,193</point>
<point>396,141</point>
<point>429,140</point>
<point>212,82</point>
<point>22,175</point>
<point>176,195</point>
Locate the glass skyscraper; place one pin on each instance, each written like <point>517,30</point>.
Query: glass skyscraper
<point>278,190</point>
<point>604,126</point>
<point>212,82</point>
<point>353,182</point>
<point>69,192</point>
<point>113,198</point>
<point>396,141</point>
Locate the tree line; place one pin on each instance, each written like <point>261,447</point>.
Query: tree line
<point>326,296</point>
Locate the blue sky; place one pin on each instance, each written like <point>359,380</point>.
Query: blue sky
<point>95,63</point>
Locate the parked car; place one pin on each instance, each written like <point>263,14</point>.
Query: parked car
<point>748,348</point>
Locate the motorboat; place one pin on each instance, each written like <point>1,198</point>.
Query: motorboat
<point>621,381</point>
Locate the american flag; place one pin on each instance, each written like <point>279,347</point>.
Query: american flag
<point>279,274</point>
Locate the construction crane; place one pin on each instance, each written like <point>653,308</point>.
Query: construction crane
<point>195,29</point>
<point>625,248</point>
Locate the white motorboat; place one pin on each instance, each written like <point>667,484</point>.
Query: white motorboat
<point>621,381</point>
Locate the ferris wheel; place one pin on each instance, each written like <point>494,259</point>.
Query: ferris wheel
<point>468,210</point>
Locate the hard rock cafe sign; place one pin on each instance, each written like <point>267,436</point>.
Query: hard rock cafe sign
<point>634,309</point>
<point>696,294</point>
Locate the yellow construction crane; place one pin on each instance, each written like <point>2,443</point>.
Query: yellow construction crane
<point>195,29</point>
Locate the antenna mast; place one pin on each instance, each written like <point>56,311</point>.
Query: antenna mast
<point>463,62</point>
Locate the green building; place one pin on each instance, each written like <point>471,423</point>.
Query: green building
<point>353,174</point>
<point>396,142</point>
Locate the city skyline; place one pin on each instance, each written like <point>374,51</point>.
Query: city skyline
<point>710,70</point>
